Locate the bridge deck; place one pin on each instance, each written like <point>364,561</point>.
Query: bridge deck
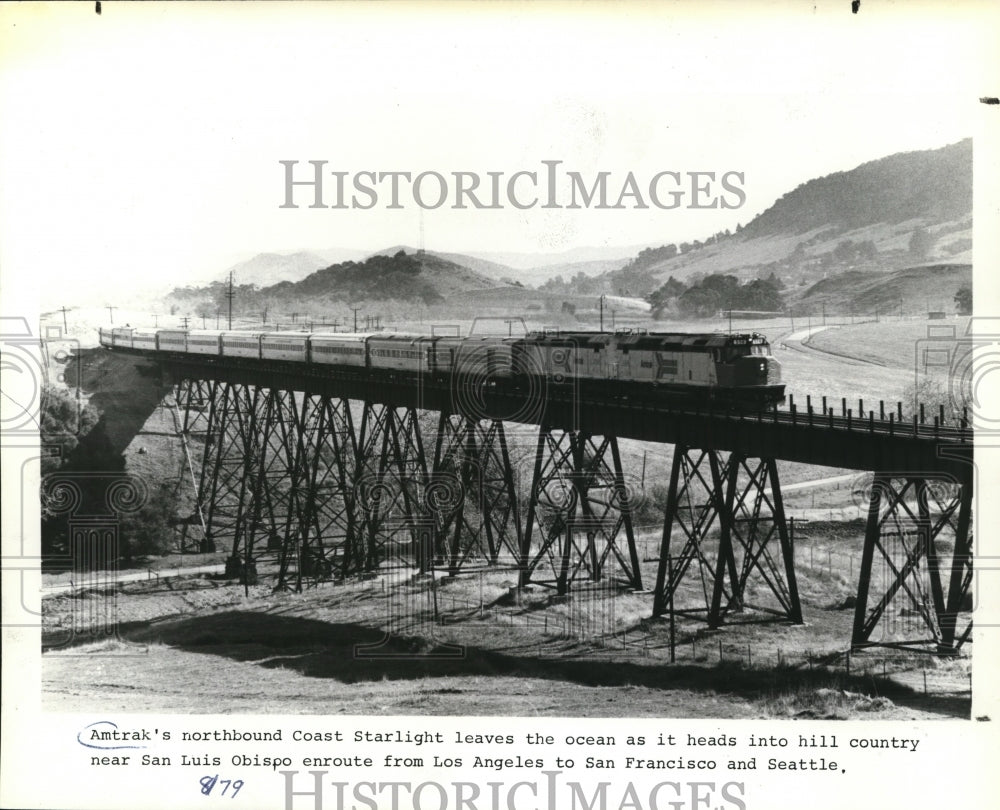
<point>867,443</point>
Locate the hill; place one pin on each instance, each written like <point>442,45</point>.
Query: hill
<point>933,185</point>
<point>919,289</point>
<point>883,216</point>
<point>271,268</point>
<point>487,269</point>
<point>402,277</point>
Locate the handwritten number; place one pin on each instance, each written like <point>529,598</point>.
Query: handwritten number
<point>208,785</point>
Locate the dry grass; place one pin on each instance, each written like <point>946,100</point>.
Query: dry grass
<point>597,653</point>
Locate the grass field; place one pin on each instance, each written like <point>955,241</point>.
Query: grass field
<point>488,651</point>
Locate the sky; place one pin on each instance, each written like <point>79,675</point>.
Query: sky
<point>141,147</point>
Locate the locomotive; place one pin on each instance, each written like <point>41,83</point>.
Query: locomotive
<point>729,370</point>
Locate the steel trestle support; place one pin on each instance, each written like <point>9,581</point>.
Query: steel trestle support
<point>911,522</point>
<point>576,495</point>
<point>744,497</point>
<point>471,495</point>
<point>321,536</point>
<point>391,483</point>
<point>193,402</point>
<point>277,480</point>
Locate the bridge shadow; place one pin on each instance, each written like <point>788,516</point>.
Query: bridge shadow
<point>319,649</point>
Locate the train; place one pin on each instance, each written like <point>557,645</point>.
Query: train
<point>730,370</point>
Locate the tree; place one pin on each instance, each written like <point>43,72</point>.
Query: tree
<point>148,531</point>
<point>700,302</point>
<point>867,250</point>
<point>845,252</point>
<point>760,294</point>
<point>660,299</point>
<point>722,292</point>
<point>963,300</point>
<point>921,243</point>
<point>63,420</point>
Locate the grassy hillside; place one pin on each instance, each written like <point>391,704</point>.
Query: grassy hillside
<point>422,276</point>
<point>914,289</point>
<point>862,220</point>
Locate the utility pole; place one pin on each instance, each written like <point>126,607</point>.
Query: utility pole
<point>156,320</point>
<point>185,321</point>
<point>230,294</point>
<point>111,313</point>
<point>65,327</point>
<point>355,317</point>
<point>510,326</point>
<point>204,325</point>
<point>602,313</point>
<point>218,314</point>
<point>824,313</point>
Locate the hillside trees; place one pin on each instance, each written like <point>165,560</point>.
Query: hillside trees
<point>62,421</point>
<point>963,300</point>
<point>720,292</point>
<point>921,243</point>
<point>661,298</point>
<point>149,530</point>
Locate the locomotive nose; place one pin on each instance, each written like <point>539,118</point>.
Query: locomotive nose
<point>758,370</point>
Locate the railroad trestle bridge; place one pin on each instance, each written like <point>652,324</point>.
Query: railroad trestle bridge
<point>335,473</point>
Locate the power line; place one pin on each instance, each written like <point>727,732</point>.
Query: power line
<point>230,294</point>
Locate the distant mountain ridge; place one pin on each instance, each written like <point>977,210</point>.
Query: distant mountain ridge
<point>271,268</point>
<point>865,220</point>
